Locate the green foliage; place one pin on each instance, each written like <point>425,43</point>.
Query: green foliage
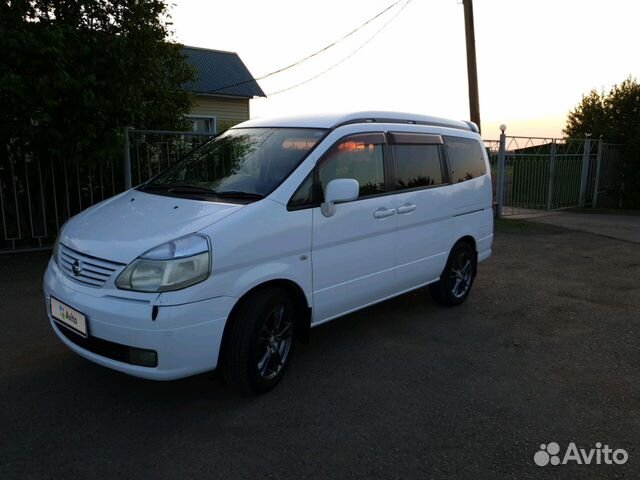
<point>614,117</point>
<point>74,73</point>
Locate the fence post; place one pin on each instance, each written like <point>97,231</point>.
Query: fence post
<point>586,156</point>
<point>126,160</point>
<point>552,173</point>
<point>598,167</point>
<point>501,162</point>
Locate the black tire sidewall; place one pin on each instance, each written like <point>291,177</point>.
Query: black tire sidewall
<point>259,308</point>
<point>444,286</point>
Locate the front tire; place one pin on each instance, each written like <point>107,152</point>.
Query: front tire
<point>456,280</point>
<point>260,341</point>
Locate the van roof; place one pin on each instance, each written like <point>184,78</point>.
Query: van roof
<point>333,120</point>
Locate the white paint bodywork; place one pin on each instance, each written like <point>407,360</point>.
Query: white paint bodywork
<point>342,263</point>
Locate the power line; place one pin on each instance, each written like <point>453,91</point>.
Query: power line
<point>348,56</point>
<point>314,54</point>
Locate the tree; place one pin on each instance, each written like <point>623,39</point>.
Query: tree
<point>74,73</point>
<point>614,117</point>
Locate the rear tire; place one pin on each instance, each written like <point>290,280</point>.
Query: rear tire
<point>456,280</point>
<point>259,344</point>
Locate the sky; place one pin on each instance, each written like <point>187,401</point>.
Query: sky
<point>535,58</point>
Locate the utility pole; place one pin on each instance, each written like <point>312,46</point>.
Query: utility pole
<point>472,69</point>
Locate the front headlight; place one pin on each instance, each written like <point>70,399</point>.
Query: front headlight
<point>56,246</point>
<point>171,266</point>
<point>56,249</point>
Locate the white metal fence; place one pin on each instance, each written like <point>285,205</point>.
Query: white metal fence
<point>37,195</point>
<point>532,173</point>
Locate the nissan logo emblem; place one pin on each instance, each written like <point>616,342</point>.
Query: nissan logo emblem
<point>76,268</point>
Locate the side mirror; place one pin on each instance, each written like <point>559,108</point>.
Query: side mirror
<point>339,190</point>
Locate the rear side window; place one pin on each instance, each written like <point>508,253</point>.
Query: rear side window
<point>359,157</point>
<point>417,166</point>
<point>466,158</point>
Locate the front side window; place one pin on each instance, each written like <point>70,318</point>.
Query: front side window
<point>466,158</point>
<point>359,157</point>
<point>417,166</point>
<point>244,162</point>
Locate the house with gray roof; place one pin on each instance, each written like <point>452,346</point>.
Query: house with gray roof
<point>222,88</point>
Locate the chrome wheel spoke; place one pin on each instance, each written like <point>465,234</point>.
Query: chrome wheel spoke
<point>274,342</point>
<point>263,364</point>
<point>456,287</point>
<point>278,313</point>
<point>278,359</point>
<point>461,275</point>
<point>467,267</point>
<point>280,335</point>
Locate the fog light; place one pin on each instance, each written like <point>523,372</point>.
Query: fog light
<point>142,357</point>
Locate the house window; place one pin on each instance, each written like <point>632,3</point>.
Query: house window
<point>203,124</point>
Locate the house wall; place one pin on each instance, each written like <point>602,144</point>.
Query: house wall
<point>228,111</point>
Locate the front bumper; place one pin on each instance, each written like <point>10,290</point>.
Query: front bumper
<point>186,337</point>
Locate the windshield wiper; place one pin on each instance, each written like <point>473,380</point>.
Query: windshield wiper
<point>153,186</point>
<point>238,194</point>
<point>190,189</point>
<point>197,190</point>
<point>169,188</point>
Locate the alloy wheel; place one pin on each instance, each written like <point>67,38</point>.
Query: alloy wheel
<point>274,342</point>
<point>461,274</point>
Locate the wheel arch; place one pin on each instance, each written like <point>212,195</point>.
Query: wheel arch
<point>469,240</point>
<point>303,319</point>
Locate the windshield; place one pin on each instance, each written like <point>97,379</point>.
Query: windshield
<point>245,163</point>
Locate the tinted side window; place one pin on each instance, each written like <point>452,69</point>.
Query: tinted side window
<point>417,166</point>
<point>357,158</point>
<point>465,158</point>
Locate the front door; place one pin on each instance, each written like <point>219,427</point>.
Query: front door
<point>354,251</point>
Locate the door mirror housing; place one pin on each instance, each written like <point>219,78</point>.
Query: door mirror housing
<point>339,190</point>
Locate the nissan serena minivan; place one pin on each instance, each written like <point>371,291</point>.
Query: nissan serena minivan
<point>271,228</point>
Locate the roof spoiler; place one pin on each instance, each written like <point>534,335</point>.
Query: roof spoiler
<point>474,128</point>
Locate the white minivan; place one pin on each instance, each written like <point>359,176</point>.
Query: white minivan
<point>271,228</point>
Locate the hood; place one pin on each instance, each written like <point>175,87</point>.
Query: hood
<point>125,226</point>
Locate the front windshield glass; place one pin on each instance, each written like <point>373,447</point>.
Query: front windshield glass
<point>245,162</point>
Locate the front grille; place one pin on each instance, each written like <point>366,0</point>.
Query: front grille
<point>112,350</point>
<point>92,271</point>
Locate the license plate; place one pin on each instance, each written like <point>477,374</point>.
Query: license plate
<point>69,316</point>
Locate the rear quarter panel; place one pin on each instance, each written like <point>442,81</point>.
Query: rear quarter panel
<point>473,212</point>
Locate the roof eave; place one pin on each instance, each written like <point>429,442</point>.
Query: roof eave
<point>224,95</point>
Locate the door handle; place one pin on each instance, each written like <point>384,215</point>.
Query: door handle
<point>383,212</point>
<point>408,208</point>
